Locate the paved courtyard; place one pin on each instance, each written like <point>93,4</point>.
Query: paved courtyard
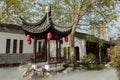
<point>106,74</point>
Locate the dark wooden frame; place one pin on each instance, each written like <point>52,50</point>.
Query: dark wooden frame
<point>40,30</point>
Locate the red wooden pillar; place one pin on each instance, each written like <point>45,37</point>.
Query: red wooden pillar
<point>68,53</point>
<point>57,53</point>
<point>49,37</point>
<point>34,48</point>
<point>48,51</point>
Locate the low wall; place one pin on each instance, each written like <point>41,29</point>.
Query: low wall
<point>14,58</point>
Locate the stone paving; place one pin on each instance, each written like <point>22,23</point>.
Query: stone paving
<point>106,74</point>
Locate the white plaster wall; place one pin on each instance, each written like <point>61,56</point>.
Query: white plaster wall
<point>3,36</point>
<point>53,48</point>
<point>82,46</point>
<point>78,43</point>
<point>29,48</point>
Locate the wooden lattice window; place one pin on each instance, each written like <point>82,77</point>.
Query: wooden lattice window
<point>21,46</point>
<point>14,46</point>
<point>8,45</point>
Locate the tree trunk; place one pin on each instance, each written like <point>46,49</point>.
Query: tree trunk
<point>100,55</point>
<point>72,35</point>
<point>72,45</point>
<point>72,51</point>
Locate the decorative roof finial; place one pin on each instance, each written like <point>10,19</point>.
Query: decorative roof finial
<point>47,9</point>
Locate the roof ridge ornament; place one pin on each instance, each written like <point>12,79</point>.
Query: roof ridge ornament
<point>48,9</point>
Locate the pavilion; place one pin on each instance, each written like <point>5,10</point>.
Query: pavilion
<point>48,30</point>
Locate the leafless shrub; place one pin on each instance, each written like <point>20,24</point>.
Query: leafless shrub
<point>114,53</point>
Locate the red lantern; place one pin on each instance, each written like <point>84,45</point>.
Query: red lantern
<point>61,41</point>
<point>49,36</point>
<point>29,42</point>
<point>66,39</point>
<point>28,37</point>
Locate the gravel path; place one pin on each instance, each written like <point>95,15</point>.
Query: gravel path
<point>9,74</point>
<point>106,74</point>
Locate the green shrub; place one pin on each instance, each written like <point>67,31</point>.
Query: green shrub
<point>88,63</point>
<point>94,66</point>
<point>27,64</point>
<point>90,66</point>
<point>88,58</point>
<point>101,66</point>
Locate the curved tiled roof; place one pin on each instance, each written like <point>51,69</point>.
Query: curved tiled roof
<point>11,28</point>
<point>59,29</point>
<point>44,24</point>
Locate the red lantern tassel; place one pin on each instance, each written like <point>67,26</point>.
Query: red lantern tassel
<point>61,41</point>
<point>66,39</point>
<point>29,42</point>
